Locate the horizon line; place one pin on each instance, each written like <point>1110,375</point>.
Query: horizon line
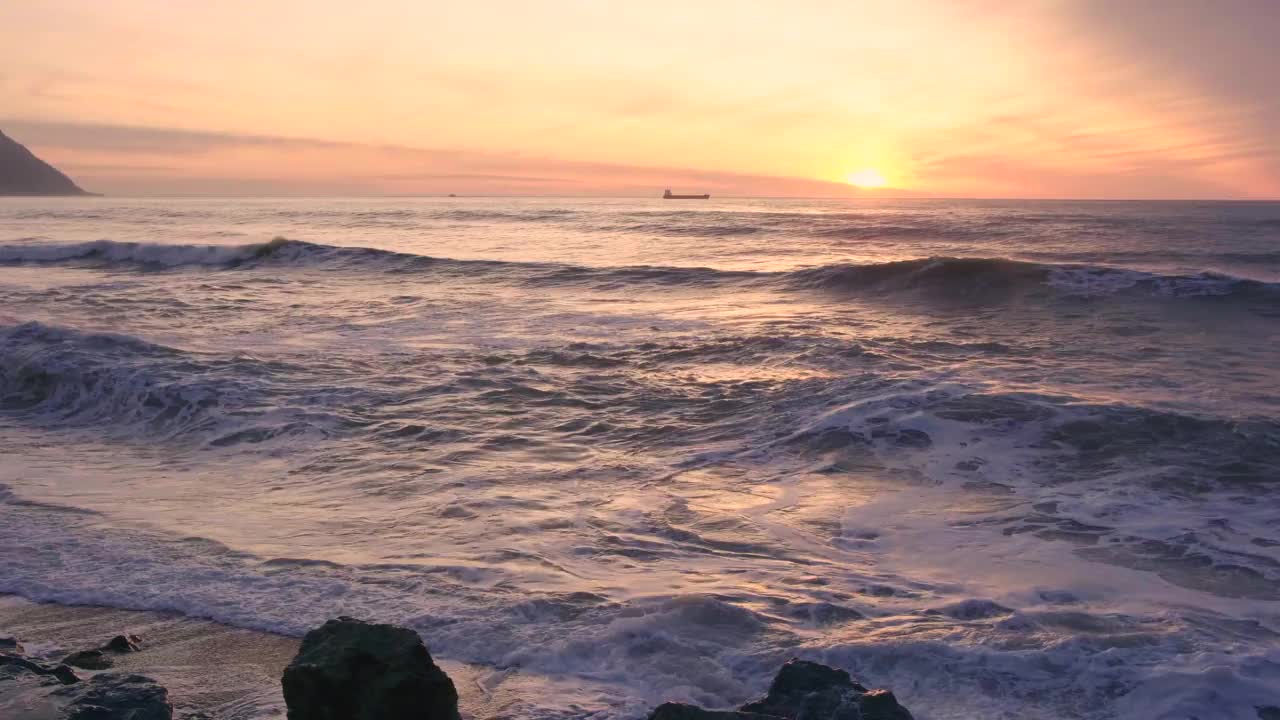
<point>424,196</point>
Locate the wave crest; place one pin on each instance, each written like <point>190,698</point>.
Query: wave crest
<point>952,276</point>
<point>110,252</point>
<point>59,377</point>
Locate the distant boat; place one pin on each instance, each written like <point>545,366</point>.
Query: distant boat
<point>668,195</point>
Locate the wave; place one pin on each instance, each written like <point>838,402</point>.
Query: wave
<point>59,377</point>
<point>63,377</point>
<point>1139,257</point>
<point>935,273</point>
<point>113,253</point>
<point>1102,473</point>
<point>107,254</point>
<point>948,275</point>
<point>683,229</point>
<point>973,276</point>
<point>1082,433</point>
<point>476,215</point>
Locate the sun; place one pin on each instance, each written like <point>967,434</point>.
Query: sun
<point>866,178</point>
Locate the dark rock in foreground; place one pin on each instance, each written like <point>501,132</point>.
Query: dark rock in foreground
<point>348,669</point>
<point>16,666</point>
<point>116,696</point>
<point>100,658</point>
<point>800,685</point>
<point>681,711</point>
<point>58,693</point>
<point>22,173</point>
<point>89,660</point>
<point>123,644</point>
<point>802,691</point>
<point>352,670</point>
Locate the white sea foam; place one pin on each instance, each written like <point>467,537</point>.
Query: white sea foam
<point>623,657</point>
<point>1093,282</point>
<point>613,470</point>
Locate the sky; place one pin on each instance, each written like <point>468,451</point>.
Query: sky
<point>954,98</point>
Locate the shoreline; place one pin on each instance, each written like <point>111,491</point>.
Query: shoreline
<point>211,670</point>
<point>164,664</point>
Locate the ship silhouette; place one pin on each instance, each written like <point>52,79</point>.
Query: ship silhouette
<point>668,195</point>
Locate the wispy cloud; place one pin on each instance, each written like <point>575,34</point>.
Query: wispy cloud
<point>211,162</point>
<point>1141,98</point>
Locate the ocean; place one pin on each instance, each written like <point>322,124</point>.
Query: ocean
<point>1011,459</point>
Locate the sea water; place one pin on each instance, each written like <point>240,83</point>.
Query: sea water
<point>1011,459</point>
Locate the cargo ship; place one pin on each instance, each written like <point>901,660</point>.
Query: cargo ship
<point>668,195</point>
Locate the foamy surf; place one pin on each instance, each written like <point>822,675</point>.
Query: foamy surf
<point>614,453</point>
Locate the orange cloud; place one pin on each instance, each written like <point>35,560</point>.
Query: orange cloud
<point>956,97</point>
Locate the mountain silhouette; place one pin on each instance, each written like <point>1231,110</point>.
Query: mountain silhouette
<point>22,173</point>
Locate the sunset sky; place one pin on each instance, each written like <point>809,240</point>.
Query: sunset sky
<point>967,98</point>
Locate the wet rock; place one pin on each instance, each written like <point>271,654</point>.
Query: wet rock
<point>117,696</point>
<point>348,669</point>
<point>10,645</point>
<point>18,665</point>
<point>681,711</point>
<point>803,690</point>
<point>100,658</point>
<point>123,644</point>
<point>810,690</point>
<point>57,693</point>
<point>89,660</point>
<point>65,675</point>
<point>881,705</point>
<point>1268,712</point>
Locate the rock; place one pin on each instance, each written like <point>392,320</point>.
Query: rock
<point>56,691</point>
<point>65,675</point>
<point>801,676</point>
<point>681,711</point>
<point>10,645</point>
<point>89,660</point>
<point>22,173</point>
<point>123,644</point>
<point>117,696</point>
<point>881,705</point>
<point>98,659</point>
<point>19,664</point>
<point>348,669</point>
<point>802,690</point>
<point>1268,712</point>
<point>809,690</point>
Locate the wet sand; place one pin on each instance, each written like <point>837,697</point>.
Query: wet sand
<point>208,668</point>
<point>211,670</point>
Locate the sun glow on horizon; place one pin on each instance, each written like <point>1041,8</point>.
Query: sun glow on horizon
<point>564,98</point>
<point>866,178</point>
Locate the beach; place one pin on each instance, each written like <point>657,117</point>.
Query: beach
<point>210,670</point>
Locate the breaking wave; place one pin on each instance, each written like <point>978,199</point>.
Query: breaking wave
<point>947,275</point>
<point>1012,455</point>
<point>60,377</point>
